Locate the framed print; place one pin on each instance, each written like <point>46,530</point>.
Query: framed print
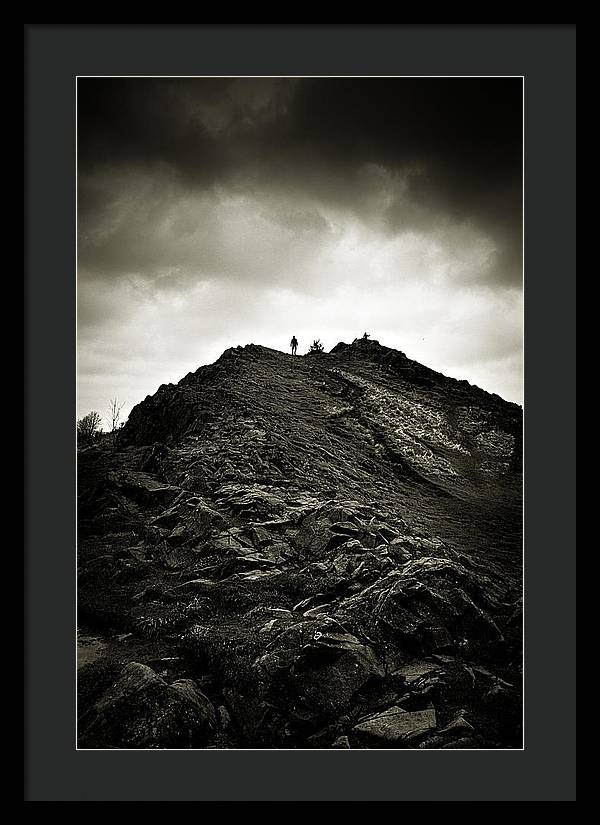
<point>288,514</point>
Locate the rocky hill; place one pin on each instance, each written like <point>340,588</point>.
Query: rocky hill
<point>305,552</point>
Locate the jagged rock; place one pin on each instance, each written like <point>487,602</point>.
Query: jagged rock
<point>458,725</point>
<point>416,670</point>
<point>250,501</point>
<point>144,489</point>
<point>141,710</point>
<point>397,725</point>
<point>371,566</point>
<point>314,536</point>
<point>431,604</point>
<point>228,541</point>
<point>318,667</point>
<point>444,658</point>
<point>318,599</point>
<point>260,537</point>
<point>268,627</point>
<point>188,520</point>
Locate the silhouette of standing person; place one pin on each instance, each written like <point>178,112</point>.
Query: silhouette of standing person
<point>294,345</point>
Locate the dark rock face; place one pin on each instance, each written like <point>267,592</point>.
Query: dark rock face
<point>141,710</point>
<point>327,550</point>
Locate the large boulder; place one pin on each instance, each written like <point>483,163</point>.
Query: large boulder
<point>140,710</point>
<point>309,677</point>
<point>431,604</point>
<point>314,669</point>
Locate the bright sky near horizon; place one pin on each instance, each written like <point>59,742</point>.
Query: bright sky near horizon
<point>218,212</point>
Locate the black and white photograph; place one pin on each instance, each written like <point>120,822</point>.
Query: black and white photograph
<point>299,424</point>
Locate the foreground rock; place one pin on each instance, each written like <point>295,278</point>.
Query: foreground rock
<point>142,711</point>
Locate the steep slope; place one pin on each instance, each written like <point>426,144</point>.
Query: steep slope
<point>329,545</point>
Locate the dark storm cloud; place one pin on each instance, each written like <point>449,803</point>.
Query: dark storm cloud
<point>460,138</point>
<point>451,147</point>
<point>214,212</point>
<point>470,127</point>
<point>202,128</point>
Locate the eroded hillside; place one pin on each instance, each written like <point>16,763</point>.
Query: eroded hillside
<point>319,551</point>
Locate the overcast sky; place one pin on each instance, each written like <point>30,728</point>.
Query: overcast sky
<point>222,211</point>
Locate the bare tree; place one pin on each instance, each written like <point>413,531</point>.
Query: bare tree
<point>88,427</point>
<point>316,346</point>
<point>115,413</point>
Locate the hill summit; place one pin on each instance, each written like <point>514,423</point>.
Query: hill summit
<point>312,551</point>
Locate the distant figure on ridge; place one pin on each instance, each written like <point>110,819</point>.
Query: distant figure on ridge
<point>294,345</point>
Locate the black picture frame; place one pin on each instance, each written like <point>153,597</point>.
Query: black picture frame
<point>545,56</point>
